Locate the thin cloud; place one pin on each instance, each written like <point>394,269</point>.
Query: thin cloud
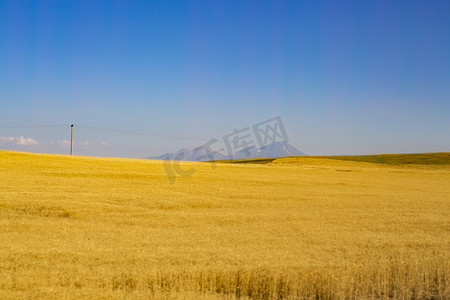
<point>86,144</point>
<point>19,141</point>
<point>62,143</point>
<point>66,143</point>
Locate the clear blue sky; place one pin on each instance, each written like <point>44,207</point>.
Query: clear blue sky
<point>345,76</point>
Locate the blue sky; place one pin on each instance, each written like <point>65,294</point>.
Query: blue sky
<point>346,77</point>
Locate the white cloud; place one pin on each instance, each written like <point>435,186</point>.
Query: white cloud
<point>21,141</point>
<point>7,139</point>
<point>62,143</point>
<point>66,143</point>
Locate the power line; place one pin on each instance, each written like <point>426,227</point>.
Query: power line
<point>165,136</point>
<point>32,126</point>
<point>104,129</point>
<point>139,133</point>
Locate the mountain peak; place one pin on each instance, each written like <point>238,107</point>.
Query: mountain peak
<point>201,153</point>
<point>279,149</point>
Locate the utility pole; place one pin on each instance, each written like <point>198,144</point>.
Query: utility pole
<point>71,139</point>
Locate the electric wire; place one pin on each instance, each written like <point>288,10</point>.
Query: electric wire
<point>157,135</point>
<point>139,133</point>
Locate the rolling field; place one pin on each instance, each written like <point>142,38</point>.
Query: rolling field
<point>307,227</point>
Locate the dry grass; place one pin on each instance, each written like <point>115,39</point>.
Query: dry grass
<point>80,227</point>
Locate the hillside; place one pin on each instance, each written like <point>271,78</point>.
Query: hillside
<point>86,227</point>
<point>202,153</point>
<point>439,158</point>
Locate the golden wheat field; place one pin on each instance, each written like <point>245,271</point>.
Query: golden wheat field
<point>289,228</point>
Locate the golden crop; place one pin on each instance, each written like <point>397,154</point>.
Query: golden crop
<point>83,227</point>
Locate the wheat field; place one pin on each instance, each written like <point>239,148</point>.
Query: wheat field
<point>289,228</point>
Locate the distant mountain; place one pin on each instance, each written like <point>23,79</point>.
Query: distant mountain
<point>197,154</point>
<point>249,152</point>
<point>275,149</point>
<point>279,149</point>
